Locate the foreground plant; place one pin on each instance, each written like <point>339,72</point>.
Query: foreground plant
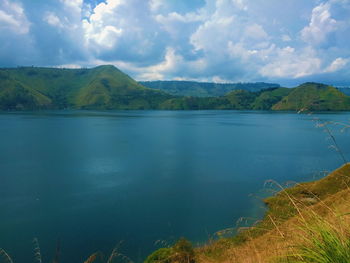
<point>181,252</point>
<point>96,257</point>
<point>322,241</point>
<point>4,257</point>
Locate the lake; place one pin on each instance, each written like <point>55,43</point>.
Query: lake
<point>145,178</point>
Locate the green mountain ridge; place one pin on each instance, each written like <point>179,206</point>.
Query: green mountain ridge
<point>107,88</point>
<point>314,97</point>
<point>103,87</point>
<point>204,89</point>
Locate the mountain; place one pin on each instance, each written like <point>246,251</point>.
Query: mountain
<point>306,97</point>
<point>16,95</point>
<point>103,87</point>
<point>106,87</point>
<point>204,89</point>
<point>270,97</point>
<point>314,97</point>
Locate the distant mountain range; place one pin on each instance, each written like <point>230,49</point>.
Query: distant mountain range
<point>205,89</point>
<point>306,97</point>
<point>106,87</point>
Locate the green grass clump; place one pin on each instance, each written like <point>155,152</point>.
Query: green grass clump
<point>322,241</point>
<point>181,252</point>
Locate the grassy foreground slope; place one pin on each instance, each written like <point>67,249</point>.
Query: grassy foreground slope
<point>309,222</point>
<point>294,214</point>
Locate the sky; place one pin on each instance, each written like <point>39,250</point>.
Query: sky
<point>282,41</point>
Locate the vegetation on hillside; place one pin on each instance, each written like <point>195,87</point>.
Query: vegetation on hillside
<point>205,89</point>
<point>103,87</point>
<point>300,219</point>
<point>106,88</point>
<point>181,252</point>
<point>314,97</point>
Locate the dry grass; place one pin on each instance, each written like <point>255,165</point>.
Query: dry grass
<point>282,243</point>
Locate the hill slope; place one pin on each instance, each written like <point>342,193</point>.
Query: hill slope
<point>106,87</point>
<point>103,87</point>
<point>15,95</point>
<point>204,89</point>
<point>283,228</point>
<point>295,216</point>
<point>314,97</point>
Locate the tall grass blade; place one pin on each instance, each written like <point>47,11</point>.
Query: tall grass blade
<point>6,257</point>
<point>56,258</point>
<point>94,257</point>
<point>37,252</point>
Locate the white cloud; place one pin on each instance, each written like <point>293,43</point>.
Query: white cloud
<point>13,18</point>
<point>223,40</point>
<point>74,6</point>
<point>214,34</point>
<point>255,31</point>
<point>175,23</point>
<point>52,19</point>
<point>286,38</point>
<point>155,5</point>
<point>170,63</point>
<point>239,51</point>
<point>120,29</point>
<point>320,26</point>
<point>336,65</point>
<point>289,63</point>
<point>101,28</point>
<point>240,4</point>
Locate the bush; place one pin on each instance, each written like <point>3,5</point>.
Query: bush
<point>162,255</point>
<point>181,252</point>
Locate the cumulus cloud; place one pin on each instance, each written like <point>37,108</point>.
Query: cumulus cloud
<point>155,5</point>
<point>13,18</point>
<point>74,5</point>
<point>52,19</point>
<point>286,38</point>
<point>320,26</point>
<point>291,64</point>
<point>336,65</point>
<point>123,30</point>
<point>221,40</point>
<point>255,32</point>
<point>240,4</point>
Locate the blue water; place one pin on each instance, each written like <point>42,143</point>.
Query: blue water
<point>93,179</point>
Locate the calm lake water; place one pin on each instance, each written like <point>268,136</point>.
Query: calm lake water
<point>93,179</point>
